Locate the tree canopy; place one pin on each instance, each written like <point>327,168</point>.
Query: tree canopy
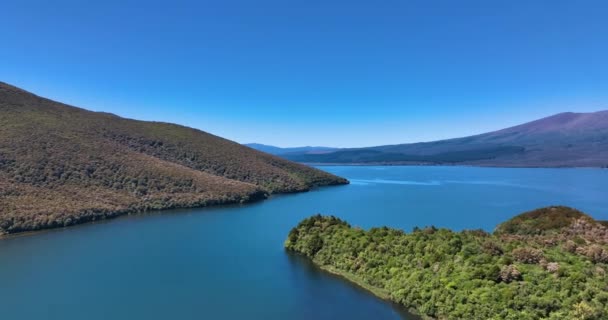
<point>471,274</point>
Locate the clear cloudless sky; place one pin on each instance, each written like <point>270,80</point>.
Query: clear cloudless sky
<point>337,73</point>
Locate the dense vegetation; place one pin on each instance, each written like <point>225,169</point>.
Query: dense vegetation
<point>546,264</point>
<point>61,165</point>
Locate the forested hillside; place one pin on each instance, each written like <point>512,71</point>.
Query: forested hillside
<point>546,264</point>
<point>61,165</point>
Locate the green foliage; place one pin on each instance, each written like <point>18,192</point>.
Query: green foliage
<point>470,274</point>
<point>61,165</point>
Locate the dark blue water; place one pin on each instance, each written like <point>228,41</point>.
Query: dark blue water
<point>229,263</point>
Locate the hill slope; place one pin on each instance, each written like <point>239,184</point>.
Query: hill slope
<point>565,139</point>
<point>544,221</point>
<point>61,165</point>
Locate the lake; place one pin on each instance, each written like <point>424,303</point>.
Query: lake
<point>229,262</point>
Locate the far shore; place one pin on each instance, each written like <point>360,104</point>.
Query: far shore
<point>408,164</point>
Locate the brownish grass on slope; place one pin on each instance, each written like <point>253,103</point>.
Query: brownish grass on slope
<point>61,165</point>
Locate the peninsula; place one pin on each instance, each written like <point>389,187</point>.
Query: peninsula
<point>549,263</point>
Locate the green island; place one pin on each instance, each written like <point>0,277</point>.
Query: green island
<point>549,263</point>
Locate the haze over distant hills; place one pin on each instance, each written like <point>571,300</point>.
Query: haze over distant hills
<point>562,140</point>
<point>282,151</point>
<point>61,165</point>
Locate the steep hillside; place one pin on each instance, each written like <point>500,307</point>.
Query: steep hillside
<point>565,139</point>
<point>61,165</point>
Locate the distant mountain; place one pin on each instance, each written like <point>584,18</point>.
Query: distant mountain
<point>296,150</point>
<point>61,165</point>
<point>562,140</point>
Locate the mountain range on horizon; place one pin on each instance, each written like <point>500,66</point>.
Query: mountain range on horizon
<point>61,165</point>
<point>294,150</point>
<point>562,140</point>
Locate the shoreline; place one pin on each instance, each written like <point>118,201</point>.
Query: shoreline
<point>130,213</point>
<point>375,291</point>
<point>125,213</point>
<point>399,164</point>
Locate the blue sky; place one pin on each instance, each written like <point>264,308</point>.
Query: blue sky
<point>335,73</point>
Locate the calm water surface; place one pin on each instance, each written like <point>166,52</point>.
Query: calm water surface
<point>229,263</point>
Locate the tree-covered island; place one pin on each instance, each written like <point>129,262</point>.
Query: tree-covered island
<point>549,263</point>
